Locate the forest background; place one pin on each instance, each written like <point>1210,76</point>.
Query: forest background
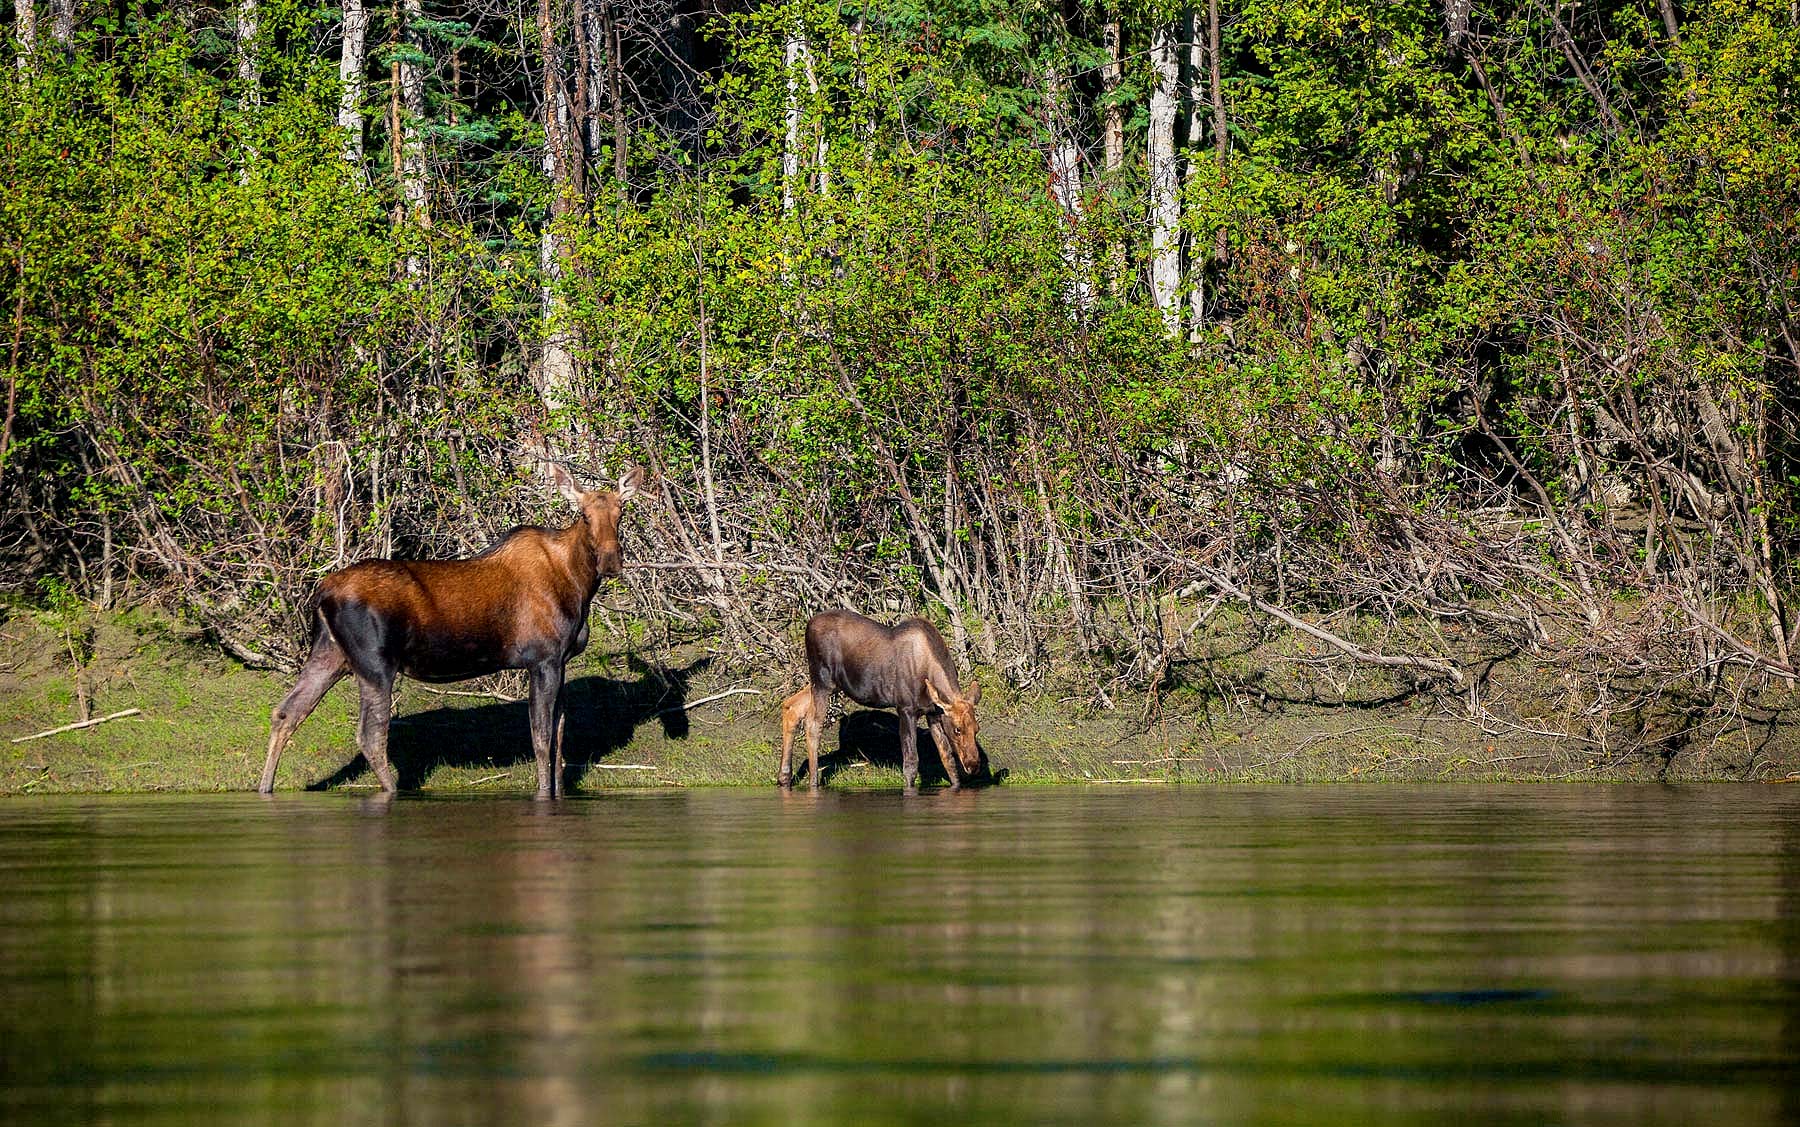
<point>1445,336</point>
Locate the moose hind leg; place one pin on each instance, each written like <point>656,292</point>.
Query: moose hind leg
<point>372,727</point>
<point>324,666</point>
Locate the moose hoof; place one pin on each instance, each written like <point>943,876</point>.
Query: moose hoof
<point>785,780</point>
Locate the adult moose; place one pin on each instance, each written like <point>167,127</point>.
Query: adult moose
<point>905,667</point>
<point>521,604</point>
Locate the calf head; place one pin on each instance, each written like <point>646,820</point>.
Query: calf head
<point>959,711</point>
<point>600,511</point>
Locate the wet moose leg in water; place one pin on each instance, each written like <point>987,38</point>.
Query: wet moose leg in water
<point>546,690</point>
<point>372,727</point>
<point>940,735</point>
<point>324,666</point>
<point>909,749</point>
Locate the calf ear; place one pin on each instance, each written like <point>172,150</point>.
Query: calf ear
<point>974,693</point>
<point>630,482</point>
<point>931,691</point>
<point>565,484</point>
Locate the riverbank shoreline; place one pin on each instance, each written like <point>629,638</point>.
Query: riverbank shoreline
<point>680,717</point>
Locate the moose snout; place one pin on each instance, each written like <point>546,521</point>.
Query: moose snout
<point>612,564</point>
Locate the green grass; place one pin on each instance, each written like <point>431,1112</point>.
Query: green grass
<point>204,727</point>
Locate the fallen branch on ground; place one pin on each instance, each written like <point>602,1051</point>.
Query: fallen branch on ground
<point>1442,669</point>
<point>707,700</point>
<point>80,724</point>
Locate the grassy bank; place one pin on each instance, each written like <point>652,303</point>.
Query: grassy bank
<point>645,719</point>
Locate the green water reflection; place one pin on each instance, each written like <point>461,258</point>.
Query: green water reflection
<point>1329,955</point>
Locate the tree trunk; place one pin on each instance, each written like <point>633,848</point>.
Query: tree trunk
<point>62,21</point>
<point>1165,205</point>
<point>1112,75</point>
<point>1196,255</point>
<point>25,30</point>
<point>1065,188</point>
<point>413,187</point>
<point>350,76</point>
<point>615,67</point>
<point>249,72</point>
<point>556,370</point>
<point>1221,128</point>
<point>792,53</point>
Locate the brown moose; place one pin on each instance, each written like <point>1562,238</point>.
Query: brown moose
<point>521,604</point>
<point>905,667</point>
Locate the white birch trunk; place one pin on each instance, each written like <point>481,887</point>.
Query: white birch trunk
<point>249,72</point>
<point>62,21</point>
<point>790,141</point>
<point>25,30</point>
<point>556,369</point>
<point>1196,257</point>
<point>1165,205</point>
<point>350,75</point>
<point>1065,189</point>
<point>413,188</point>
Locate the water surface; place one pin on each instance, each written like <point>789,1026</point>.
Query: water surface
<point>1307,955</point>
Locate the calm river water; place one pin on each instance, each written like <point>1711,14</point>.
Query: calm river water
<point>1338,955</point>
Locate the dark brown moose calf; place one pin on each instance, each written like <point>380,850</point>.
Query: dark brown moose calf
<point>905,667</point>
<point>521,604</point>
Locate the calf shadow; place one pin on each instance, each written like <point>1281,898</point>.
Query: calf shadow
<point>600,716</point>
<point>873,736</point>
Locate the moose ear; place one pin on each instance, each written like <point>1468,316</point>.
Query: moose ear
<point>931,691</point>
<point>630,482</point>
<point>565,484</point>
<point>974,694</point>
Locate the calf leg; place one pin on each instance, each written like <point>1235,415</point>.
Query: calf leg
<point>372,726</point>
<point>795,711</point>
<point>324,666</point>
<point>546,688</point>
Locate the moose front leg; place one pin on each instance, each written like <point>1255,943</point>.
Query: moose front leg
<point>909,749</point>
<point>546,688</point>
<point>940,735</point>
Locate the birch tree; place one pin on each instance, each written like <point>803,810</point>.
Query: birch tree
<point>798,61</point>
<point>1165,204</point>
<point>1196,132</point>
<point>556,369</point>
<point>1065,187</point>
<point>62,21</point>
<point>25,30</point>
<point>249,71</point>
<point>409,136</point>
<point>350,77</point>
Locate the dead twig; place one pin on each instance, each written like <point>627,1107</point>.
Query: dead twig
<point>1404,661</point>
<point>79,724</point>
<point>707,700</point>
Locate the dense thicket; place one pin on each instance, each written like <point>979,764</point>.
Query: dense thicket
<point>1469,328</point>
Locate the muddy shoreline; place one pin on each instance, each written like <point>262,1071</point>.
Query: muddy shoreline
<point>681,718</point>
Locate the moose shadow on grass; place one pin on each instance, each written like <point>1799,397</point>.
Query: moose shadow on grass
<point>872,736</point>
<point>600,716</point>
